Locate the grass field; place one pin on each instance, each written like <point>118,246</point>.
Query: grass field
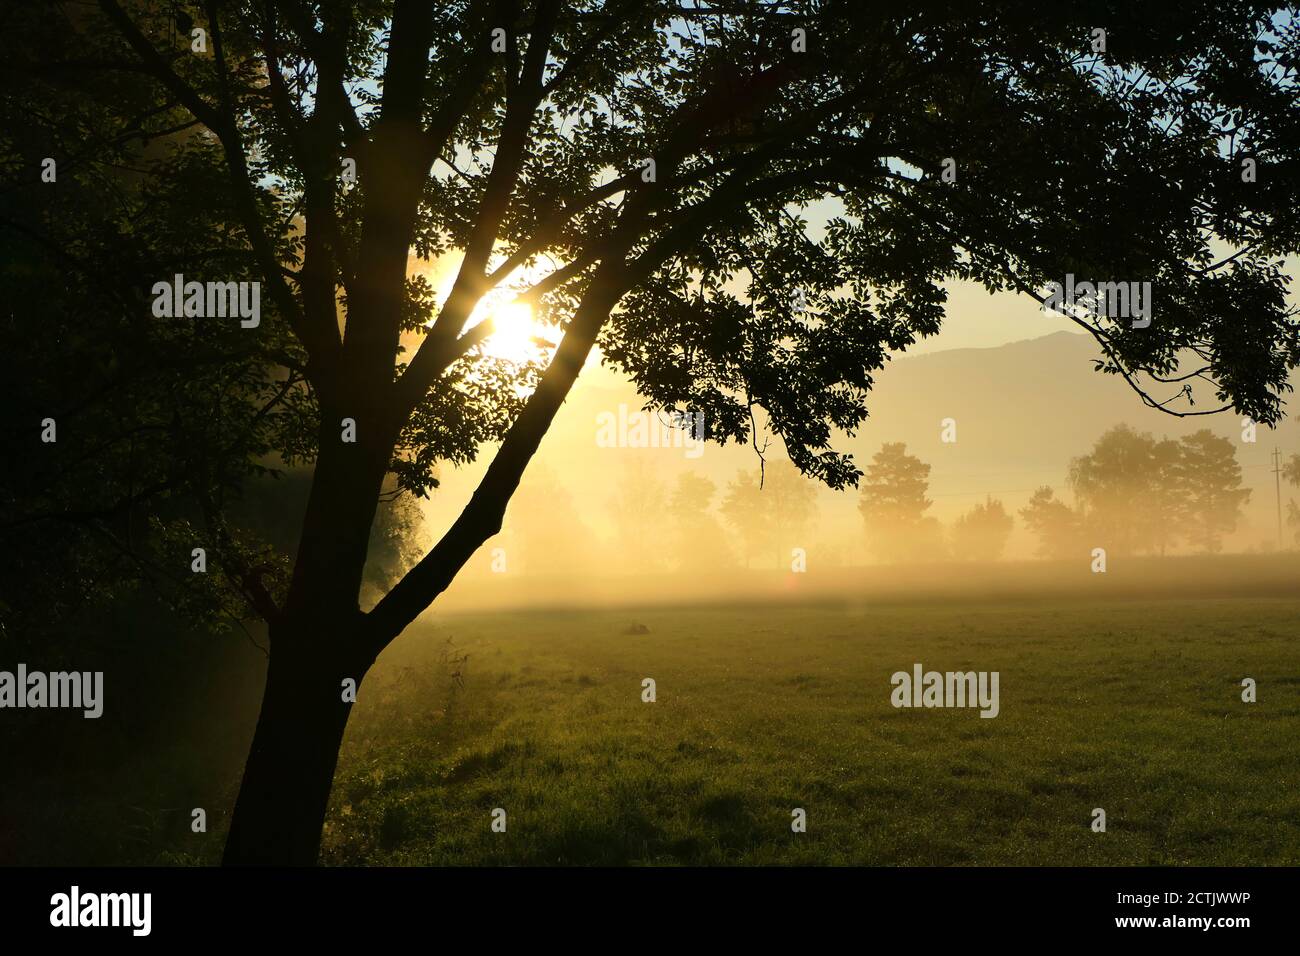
<point>1131,706</point>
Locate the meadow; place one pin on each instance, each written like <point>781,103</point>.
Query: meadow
<point>1133,706</point>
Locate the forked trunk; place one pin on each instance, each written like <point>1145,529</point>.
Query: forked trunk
<point>316,645</point>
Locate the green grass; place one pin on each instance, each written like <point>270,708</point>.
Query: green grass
<point>1130,706</point>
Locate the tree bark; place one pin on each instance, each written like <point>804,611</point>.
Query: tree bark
<point>317,643</point>
<point>285,791</point>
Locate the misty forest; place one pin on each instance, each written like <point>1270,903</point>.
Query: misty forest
<point>566,432</point>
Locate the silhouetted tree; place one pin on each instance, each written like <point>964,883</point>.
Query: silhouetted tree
<point>636,510</point>
<point>744,509</point>
<point>700,542</point>
<point>548,528</point>
<point>1129,489</point>
<point>981,534</point>
<point>772,516</point>
<point>1209,480</point>
<point>893,503</point>
<point>650,159</point>
<point>1291,474</point>
<point>1058,527</point>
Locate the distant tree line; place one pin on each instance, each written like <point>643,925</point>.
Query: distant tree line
<point>1130,494</point>
<point>1137,495</point>
<point>1291,472</point>
<point>1133,494</point>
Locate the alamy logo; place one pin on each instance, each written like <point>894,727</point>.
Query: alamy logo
<point>647,430</point>
<point>1113,300</point>
<point>102,909</point>
<point>951,689</point>
<point>208,300</point>
<point>36,689</point>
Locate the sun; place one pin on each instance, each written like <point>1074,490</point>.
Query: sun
<point>515,333</point>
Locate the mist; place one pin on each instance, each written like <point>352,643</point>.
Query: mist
<point>658,516</point>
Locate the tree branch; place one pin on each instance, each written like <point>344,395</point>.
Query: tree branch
<point>315,339</point>
<point>525,94</point>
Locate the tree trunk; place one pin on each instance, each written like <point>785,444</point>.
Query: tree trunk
<point>282,800</point>
<point>317,643</point>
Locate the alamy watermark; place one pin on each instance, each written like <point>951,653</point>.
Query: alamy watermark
<point>208,300</point>
<point>1113,300</point>
<point>61,689</point>
<point>950,689</point>
<point>75,908</point>
<point>644,429</point>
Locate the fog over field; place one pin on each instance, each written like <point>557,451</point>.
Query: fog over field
<point>589,518</point>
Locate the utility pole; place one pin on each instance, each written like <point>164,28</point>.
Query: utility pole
<point>1277,472</point>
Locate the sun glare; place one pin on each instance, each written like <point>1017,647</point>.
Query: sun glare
<point>514,333</point>
<point>517,334</point>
